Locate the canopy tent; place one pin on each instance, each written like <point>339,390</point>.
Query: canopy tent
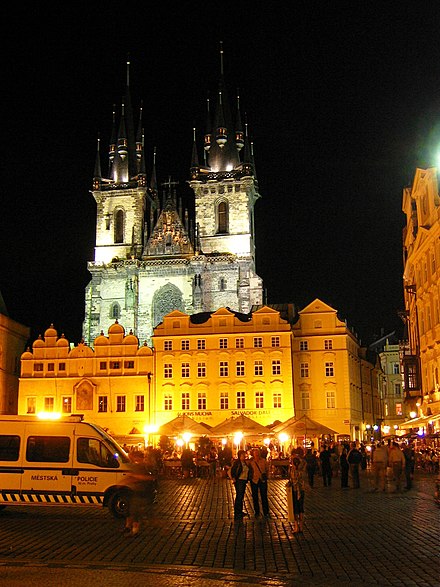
<point>303,426</point>
<point>416,423</point>
<point>241,423</point>
<point>183,424</point>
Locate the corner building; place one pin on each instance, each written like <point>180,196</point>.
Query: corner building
<point>421,276</point>
<point>152,256</point>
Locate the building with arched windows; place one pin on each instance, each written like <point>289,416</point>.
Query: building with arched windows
<point>153,257</point>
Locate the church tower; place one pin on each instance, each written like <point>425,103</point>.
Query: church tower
<point>151,257</point>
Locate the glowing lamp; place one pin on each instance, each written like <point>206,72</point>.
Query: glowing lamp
<point>396,426</point>
<point>224,441</point>
<point>368,426</point>
<point>283,437</point>
<point>49,415</point>
<point>238,438</point>
<point>420,432</point>
<point>186,436</point>
<point>375,427</point>
<point>413,414</point>
<point>179,442</point>
<point>266,441</point>
<point>386,429</point>
<point>150,429</point>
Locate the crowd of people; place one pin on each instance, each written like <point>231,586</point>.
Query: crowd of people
<point>334,463</point>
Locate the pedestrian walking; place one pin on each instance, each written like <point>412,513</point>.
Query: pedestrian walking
<point>142,492</point>
<point>259,476</point>
<point>326,467</point>
<point>344,466</point>
<point>354,459</point>
<point>396,461</point>
<point>239,473</point>
<point>311,465</point>
<point>408,453</point>
<point>296,486</point>
<point>379,464</point>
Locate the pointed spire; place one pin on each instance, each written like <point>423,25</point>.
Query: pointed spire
<point>247,157</point>
<point>153,181</point>
<point>194,159</point>
<point>221,136</point>
<point>112,146</point>
<point>97,175</point>
<point>239,136</point>
<point>208,132</point>
<point>139,138</point>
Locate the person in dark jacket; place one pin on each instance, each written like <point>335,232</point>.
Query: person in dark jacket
<point>326,467</point>
<point>240,475</point>
<point>344,466</point>
<point>311,465</point>
<point>354,459</point>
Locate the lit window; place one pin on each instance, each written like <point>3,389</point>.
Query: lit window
<point>329,370</point>
<point>239,343</point>
<point>330,398</point>
<point>328,344</point>
<point>224,369</point>
<point>31,405</point>
<point>396,369</point>
<point>275,341</point>
<point>305,400</point>
<point>201,401</point>
<point>49,403</point>
<point>185,370</point>
<point>224,400</point>
<point>398,409</point>
<point>120,403</point>
<point>168,345</point>
<point>258,367</point>
<point>303,345</point>
<point>185,400</point>
<point>185,345</point>
<point>239,368</point>
<point>168,403</point>
<point>304,369</point>
<point>102,403</point>
<point>277,400</point>
<point>139,403</point>
<point>201,344</point>
<point>201,369</point>
<point>259,400</point>
<point>258,342</point>
<point>66,405</point>
<point>241,400</point>
<point>276,367</point>
<point>167,371</point>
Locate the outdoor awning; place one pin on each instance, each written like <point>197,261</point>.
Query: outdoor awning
<point>416,422</point>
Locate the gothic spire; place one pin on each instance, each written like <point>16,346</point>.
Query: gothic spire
<point>97,175</point>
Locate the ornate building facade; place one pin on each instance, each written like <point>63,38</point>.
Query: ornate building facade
<point>153,257</point>
<point>209,366</point>
<point>421,277</point>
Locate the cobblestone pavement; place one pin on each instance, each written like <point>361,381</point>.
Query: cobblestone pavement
<point>350,536</point>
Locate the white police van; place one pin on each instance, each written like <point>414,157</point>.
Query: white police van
<point>62,462</point>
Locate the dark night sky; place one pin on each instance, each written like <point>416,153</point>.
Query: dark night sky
<point>342,101</point>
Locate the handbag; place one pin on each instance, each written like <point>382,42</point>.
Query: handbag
<point>263,475</point>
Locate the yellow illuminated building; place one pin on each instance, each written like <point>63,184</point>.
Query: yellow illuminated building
<point>336,382</point>
<point>421,252</point>
<point>208,366</point>
<point>214,366</point>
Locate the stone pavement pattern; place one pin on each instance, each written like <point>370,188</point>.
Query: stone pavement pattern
<point>350,537</point>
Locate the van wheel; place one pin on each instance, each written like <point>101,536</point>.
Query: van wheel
<point>118,504</point>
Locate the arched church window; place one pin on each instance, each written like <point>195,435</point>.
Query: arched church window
<point>119,226</point>
<point>222,218</point>
<point>115,311</point>
<point>165,300</point>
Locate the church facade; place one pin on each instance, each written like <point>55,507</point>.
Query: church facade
<point>153,257</point>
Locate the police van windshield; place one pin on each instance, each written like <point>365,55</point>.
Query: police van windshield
<point>118,451</point>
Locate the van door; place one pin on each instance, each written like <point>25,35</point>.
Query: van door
<point>47,476</point>
<point>98,469</point>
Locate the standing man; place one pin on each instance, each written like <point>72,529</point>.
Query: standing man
<point>410,458</point>
<point>326,467</point>
<point>354,459</point>
<point>239,473</point>
<point>259,475</point>
<point>396,461</point>
<point>379,460</point>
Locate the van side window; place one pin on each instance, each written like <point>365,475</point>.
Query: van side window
<point>94,452</point>
<point>48,449</point>
<point>9,447</point>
